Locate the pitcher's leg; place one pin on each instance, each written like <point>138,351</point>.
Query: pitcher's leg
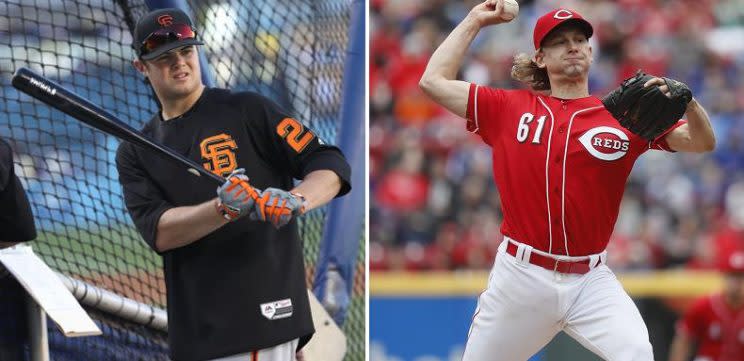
<point>515,317</point>
<point>605,320</point>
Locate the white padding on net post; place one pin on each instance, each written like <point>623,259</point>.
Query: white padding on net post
<point>48,292</point>
<point>117,305</point>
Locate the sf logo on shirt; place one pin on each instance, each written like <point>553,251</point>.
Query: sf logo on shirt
<point>218,154</point>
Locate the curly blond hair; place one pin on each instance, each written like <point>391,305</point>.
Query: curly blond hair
<point>525,70</point>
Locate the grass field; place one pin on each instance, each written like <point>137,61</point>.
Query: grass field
<point>83,252</point>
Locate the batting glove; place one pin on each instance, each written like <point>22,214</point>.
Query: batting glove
<point>236,197</point>
<point>277,206</point>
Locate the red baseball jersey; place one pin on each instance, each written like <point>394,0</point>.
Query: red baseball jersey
<point>560,166</point>
<point>717,328</point>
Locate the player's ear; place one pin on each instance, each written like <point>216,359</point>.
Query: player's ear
<point>538,59</point>
<point>140,66</point>
<point>591,56</point>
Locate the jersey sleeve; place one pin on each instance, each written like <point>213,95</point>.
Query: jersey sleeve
<point>143,198</point>
<point>660,142</point>
<point>485,105</point>
<point>296,148</point>
<point>693,321</point>
<point>16,218</point>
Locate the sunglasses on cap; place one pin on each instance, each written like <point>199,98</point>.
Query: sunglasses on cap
<point>170,34</point>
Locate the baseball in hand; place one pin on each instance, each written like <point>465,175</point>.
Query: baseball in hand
<point>510,11</point>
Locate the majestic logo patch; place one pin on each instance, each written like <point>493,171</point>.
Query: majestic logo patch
<point>563,14</point>
<point>165,20</point>
<point>218,154</point>
<point>277,309</point>
<point>605,143</point>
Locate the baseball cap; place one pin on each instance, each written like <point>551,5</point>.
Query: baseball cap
<point>161,31</point>
<point>548,22</point>
<point>734,263</point>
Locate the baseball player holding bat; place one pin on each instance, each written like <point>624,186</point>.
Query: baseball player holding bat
<point>232,257</point>
<point>560,161</point>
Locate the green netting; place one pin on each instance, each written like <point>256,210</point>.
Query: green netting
<point>292,52</point>
<point>355,324</point>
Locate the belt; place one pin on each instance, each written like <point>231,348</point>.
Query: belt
<point>575,267</point>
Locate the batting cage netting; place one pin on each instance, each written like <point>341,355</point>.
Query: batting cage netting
<point>292,52</point>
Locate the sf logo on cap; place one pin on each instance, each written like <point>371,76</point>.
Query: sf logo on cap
<point>165,20</point>
<point>563,14</point>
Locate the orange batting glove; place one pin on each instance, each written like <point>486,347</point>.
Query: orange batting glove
<point>278,206</point>
<point>237,197</point>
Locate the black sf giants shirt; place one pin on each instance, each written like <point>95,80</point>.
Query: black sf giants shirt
<point>242,287</point>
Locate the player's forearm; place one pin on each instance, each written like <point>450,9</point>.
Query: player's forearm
<point>182,226</point>
<point>438,81</point>
<point>318,188</point>
<point>448,57</point>
<point>680,349</point>
<point>701,132</point>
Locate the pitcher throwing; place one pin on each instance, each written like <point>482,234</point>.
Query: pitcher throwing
<point>560,162</point>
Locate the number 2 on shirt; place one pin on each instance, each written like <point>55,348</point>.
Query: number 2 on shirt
<point>523,129</point>
<point>294,133</point>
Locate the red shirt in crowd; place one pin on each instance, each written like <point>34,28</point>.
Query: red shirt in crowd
<point>717,328</point>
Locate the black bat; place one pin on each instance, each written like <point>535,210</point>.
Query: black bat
<point>83,110</point>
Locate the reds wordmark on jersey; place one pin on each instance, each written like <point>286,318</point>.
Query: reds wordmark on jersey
<point>560,166</point>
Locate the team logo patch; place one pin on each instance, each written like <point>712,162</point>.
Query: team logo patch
<point>277,309</point>
<point>606,143</point>
<point>218,154</point>
<point>165,20</point>
<point>563,14</point>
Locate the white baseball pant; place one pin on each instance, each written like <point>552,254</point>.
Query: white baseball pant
<point>282,352</point>
<point>525,306</point>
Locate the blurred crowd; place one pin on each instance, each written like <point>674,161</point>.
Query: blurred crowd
<point>434,205</point>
